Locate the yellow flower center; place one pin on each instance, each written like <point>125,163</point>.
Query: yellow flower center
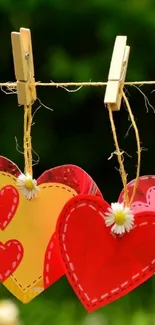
<point>120,218</point>
<point>29,184</point>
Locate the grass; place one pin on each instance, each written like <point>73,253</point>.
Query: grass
<point>59,306</point>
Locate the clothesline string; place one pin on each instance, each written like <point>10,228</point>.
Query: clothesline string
<point>75,84</point>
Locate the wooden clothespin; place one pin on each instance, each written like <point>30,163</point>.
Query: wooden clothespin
<point>117,73</point>
<point>23,65</point>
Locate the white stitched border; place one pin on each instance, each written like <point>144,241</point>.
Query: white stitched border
<point>135,276</point>
<point>114,290</point>
<point>143,224</point>
<point>80,287</point>
<point>101,214</point>
<point>64,245</point>
<point>81,205</point>
<point>67,218</point>
<point>104,296</point>
<point>65,227</point>
<point>75,277</point>
<point>145,268</point>
<point>91,206</point>
<point>124,284</point>
<point>49,255</point>
<point>71,266</point>
<point>87,297</point>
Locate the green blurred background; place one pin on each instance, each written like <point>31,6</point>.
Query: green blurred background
<point>73,41</point>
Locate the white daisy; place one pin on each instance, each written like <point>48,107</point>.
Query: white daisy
<point>120,218</point>
<point>27,186</point>
<point>9,313</point>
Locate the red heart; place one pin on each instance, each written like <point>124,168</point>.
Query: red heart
<point>70,175</point>
<point>52,271</point>
<point>9,199</point>
<point>100,267</point>
<point>73,176</point>
<point>8,166</point>
<point>11,254</point>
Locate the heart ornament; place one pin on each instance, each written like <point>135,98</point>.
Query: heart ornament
<point>100,265</point>
<point>144,199</point>
<point>28,226</point>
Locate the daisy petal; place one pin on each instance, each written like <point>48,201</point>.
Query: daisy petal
<point>120,218</point>
<point>27,186</point>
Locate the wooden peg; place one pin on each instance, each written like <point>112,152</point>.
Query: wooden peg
<point>23,65</point>
<point>117,73</point>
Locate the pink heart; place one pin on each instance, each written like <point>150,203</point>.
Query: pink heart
<point>139,206</point>
<point>144,199</point>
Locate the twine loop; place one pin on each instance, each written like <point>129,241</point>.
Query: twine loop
<point>123,174</point>
<point>27,140</point>
<point>27,126</point>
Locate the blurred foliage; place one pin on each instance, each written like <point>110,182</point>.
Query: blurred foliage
<point>73,41</point>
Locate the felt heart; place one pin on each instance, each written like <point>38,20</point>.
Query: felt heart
<point>99,266</point>
<point>52,271</point>
<point>9,199</point>
<point>72,176</point>
<point>34,225</point>
<point>11,254</point>
<point>144,199</point>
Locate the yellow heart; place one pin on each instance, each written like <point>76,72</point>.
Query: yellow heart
<point>33,225</point>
